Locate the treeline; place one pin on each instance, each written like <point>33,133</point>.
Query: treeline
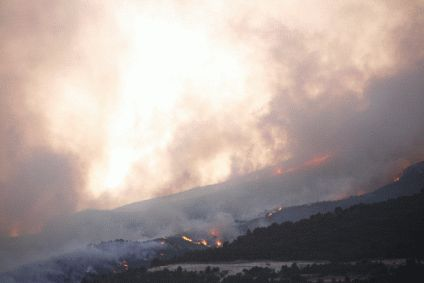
<point>363,272</point>
<point>391,229</point>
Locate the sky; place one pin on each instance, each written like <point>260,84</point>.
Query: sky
<point>104,103</point>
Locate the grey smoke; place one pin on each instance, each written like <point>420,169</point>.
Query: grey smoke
<point>370,136</point>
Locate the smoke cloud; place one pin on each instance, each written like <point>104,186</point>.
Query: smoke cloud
<point>103,104</point>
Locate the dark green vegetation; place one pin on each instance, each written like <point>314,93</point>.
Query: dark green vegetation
<point>410,182</point>
<point>391,229</point>
<point>364,272</point>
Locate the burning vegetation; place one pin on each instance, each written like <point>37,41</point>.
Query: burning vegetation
<point>14,232</point>
<point>204,242</point>
<point>216,234</point>
<point>185,238</point>
<point>271,213</point>
<point>124,265</point>
<point>317,161</point>
<point>314,162</point>
<point>279,171</point>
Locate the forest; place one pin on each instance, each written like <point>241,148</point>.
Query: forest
<point>362,272</point>
<point>353,240</point>
<point>390,229</point>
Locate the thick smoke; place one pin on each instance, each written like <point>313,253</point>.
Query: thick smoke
<point>36,181</point>
<point>284,82</point>
<point>43,173</point>
<point>366,117</point>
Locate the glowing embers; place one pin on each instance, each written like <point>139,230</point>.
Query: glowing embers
<point>279,171</point>
<point>14,232</point>
<point>271,213</point>
<point>313,162</point>
<point>185,238</point>
<point>216,234</point>
<point>317,160</point>
<point>203,242</point>
<point>124,265</point>
<point>218,243</point>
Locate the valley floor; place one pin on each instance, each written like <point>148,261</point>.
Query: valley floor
<point>235,267</point>
<point>258,271</point>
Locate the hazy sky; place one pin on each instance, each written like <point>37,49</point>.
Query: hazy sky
<point>108,102</point>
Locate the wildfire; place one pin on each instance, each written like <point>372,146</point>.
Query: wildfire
<point>218,243</point>
<point>14,232</point>
<point>185,238</point>
<point>396,179</point>
<point>279,171</point>
<point>315,161</point>
<point>163,241</point>
<point>271,213</point>
<point>202,242</point>
<point>318,160</point>
<point>124,265</point>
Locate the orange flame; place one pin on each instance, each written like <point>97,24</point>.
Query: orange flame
<point>14,232</point>
<point>218,243</point>
<point>185,238</point>
<point>279,171</point>
<point>124,265</point>
<point>315,161</point>
<point>18,230</point>
<point>271,213</point>
<point>190,240</point>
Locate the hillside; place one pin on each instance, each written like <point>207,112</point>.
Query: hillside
<point>251,198</point>
<point>391,229</point>
<point>359,241</point>
<point>410,182</point>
